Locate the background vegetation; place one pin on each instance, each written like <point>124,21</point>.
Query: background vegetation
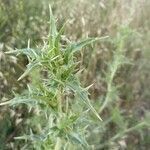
<point>118,68</point>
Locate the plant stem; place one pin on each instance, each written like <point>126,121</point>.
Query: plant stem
<point>59,98</point>
<point>116,63</point>
<point>58,144</point>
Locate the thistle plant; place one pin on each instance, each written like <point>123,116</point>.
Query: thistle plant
<point>119,59</point>
<point>59,103</point>
<point>111,99</point>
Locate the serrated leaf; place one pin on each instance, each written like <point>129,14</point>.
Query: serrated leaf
<point>30,67</point>
<point>29,52</point>
<point>118,118</point>
<point>76,138</point>
<point>74,47</point>
<point>20,100</point>
<point>84,96</point>
<point>79,45</point>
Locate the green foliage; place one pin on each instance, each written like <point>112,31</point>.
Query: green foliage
<point>118,69</point>
<point>115,116</point>
<point>51,95</point>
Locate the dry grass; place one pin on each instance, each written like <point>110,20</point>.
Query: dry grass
<point>91,18</point>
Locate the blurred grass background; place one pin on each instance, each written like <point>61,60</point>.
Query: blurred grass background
<point>21,20</point>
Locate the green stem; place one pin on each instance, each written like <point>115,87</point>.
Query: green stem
<point>112,70</point>
<point>59,98</point>
<point>58,144</point>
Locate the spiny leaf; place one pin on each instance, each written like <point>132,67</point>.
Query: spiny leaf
<point>74,47</point>
<point>29,52</point>
<point>57,40</point>
<point>30,67</point>
<point>20,100</point>
<point>78,139</point>
<point>79,45</point>
<point>32,137</point>
<point>53,28</point>
<point>84,96</point>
